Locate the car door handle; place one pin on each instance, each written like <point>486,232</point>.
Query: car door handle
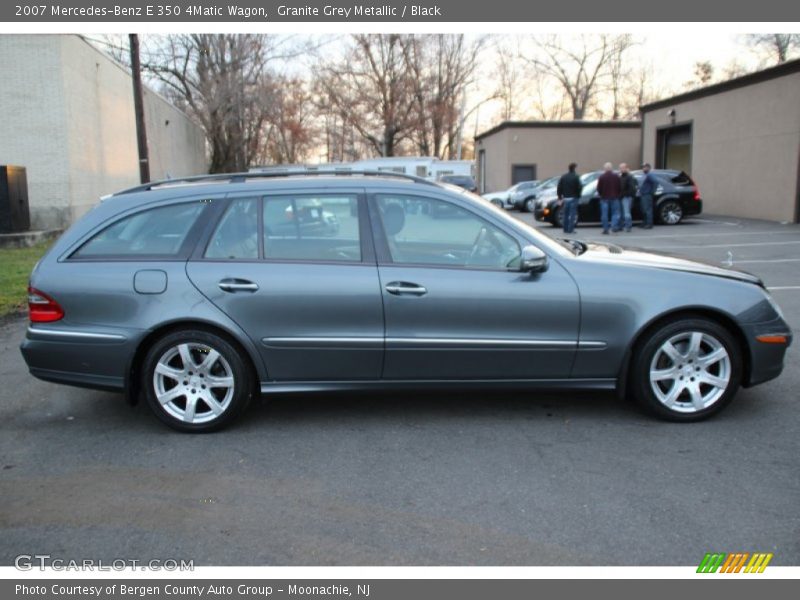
<point>237,285</point>
<point>399,288</point>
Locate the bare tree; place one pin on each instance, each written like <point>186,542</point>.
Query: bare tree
<point>619,73</point>
<point>778,45</point>
<point>580,65</point>
<point>443,66</point>
<point>291,129</point>
<point>509,83</point>
<point>370,89</point>
<point>226,82</point>
<point>703,74</point>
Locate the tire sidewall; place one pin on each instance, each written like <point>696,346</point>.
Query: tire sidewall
<point>645,351</point>
<point>662,208</point>
<point>243,378</point>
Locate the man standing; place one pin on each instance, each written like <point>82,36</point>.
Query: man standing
<point>628,194</point>
<point>609,188</point>
<point>569,194</point>
<point>647,189</point>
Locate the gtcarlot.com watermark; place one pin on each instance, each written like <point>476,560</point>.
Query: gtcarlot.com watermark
<point>42,562</point>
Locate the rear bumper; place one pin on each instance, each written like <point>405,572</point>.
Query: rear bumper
<point>693,207</point>
<point>95,359</point>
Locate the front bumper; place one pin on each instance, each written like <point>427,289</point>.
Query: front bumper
<point>766,358</point>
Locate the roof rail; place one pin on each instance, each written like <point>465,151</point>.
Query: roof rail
<point>241,177</point>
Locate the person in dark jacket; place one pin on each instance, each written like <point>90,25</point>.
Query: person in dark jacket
<point>609,188</point>
<point>646,191</point>
<point>629,186</point>
<point>569,194</point>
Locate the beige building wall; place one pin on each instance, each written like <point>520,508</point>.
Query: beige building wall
<point>745,144</point>
<point>73,126</point>
<point>551,148</point>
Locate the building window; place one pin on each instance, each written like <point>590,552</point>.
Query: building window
<point>522,173</point>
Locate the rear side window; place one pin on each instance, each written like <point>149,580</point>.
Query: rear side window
<point>236,235</point>
<point>682,179</point>
<point>321,227</point>
<point>156,232</point>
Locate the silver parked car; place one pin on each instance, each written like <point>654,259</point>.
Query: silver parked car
<point>199,294</point>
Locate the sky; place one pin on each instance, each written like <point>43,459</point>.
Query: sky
<point>669,53</point>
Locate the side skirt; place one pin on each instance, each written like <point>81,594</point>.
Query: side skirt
<point>286,387</point>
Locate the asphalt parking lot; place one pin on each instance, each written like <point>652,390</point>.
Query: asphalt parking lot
<point>477,479</point>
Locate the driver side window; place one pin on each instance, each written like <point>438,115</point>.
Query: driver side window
<point>428,231</point>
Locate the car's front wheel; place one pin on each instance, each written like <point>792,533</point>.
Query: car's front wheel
<point>687,370</point>
<point>670,212</point>
<point>530,205</point>
<point>557,216</point>
<point>196,381</point>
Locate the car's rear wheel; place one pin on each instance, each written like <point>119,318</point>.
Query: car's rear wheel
<point>195,380</point>
<point>498,203</point>
<point>687,370</point>
<point>670,212</point>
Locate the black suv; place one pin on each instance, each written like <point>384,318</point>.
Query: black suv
<point>676,196</point>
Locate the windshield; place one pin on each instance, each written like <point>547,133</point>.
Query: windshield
<point>548,183</point>
<point>589,177</point>
<point>559,246</point>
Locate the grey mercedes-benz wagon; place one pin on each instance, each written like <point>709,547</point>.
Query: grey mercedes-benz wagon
<point>199,294</point>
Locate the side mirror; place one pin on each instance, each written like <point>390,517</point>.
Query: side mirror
<point>533,260</point>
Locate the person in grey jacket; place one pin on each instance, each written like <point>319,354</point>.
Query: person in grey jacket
<point>646,191</point>
<point>569,193</point>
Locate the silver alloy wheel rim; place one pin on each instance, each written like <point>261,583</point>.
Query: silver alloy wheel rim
<point>690,372</point>
<point>530,205</point>
<point>672,213</point>
<point>193,383</point>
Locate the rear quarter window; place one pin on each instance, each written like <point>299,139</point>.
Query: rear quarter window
<point>682,179</point>
<point>158,231</point>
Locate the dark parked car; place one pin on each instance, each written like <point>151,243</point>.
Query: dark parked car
<point>462,181</point>
<point>197,296</point>
<point>677,196</point>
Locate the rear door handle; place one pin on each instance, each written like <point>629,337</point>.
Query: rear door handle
<point>400,288</point>
<point>237,285</point>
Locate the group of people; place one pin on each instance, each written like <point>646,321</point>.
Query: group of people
<point>616,191</point>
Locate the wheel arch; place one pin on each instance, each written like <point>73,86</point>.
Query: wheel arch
<point>132,379</point>
<point>718,316</point>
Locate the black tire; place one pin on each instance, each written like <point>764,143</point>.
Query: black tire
<point>231,400</point>
<point>498,203</point>
<point>669,212</point>
<point>557,218</point>
<point>688,371</point>
<point>529,205</point>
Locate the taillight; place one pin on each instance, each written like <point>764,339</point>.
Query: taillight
<point>696,193</point>
<point>42,308</point>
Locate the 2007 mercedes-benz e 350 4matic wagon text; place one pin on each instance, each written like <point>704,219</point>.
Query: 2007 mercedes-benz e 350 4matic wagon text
<point>199,294</point>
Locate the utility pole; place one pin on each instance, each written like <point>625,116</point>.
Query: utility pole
<point>138,106</point>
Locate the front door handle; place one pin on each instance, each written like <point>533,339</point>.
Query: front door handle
<point>401,288</point>
<point>237,285</point>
